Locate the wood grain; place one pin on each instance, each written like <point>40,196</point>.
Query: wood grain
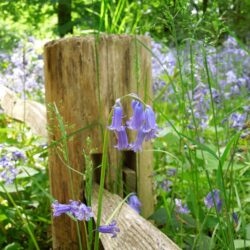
<point>30,112</point>
<point>84,76</point>
<point>136,233</point>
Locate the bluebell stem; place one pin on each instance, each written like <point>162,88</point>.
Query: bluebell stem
<point>117,117</point>
<point>134,203</point>
<point>181,209</point>
<point>109,229</point>
<point>122,139</point>
<point>138,117</point>
<point>211,197</point>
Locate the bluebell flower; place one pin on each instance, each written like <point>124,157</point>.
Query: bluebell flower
<point>165,185</point>
<point>137,145</point>
<point>138,117</point>
<point>150,123</point>
<point>134,203</point>
<point>211,197</point>
<point>151,134</point>
<point>235,218</point>
<point>122,139</point>
<point>181,209</point>
<point>171,171</point>
<point>9,171</point>
<point>238,120</point>
<point>109,229</point>
<point>59,208</point>
<point>76,208</point>
<point>80,211</point>
<point>117,117</point>
<point>17,155</point>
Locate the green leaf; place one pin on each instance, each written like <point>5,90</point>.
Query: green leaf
<point>27,172</point>
<point>3,217</point>
<point>13,246</point>
<point>11,188</point>
<point>159,216</point>
<point>241,244</point>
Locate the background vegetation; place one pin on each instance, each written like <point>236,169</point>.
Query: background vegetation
<point>201,84</point>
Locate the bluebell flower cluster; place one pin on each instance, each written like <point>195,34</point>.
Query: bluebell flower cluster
<point>213,200</point>
<point>134,202</point>
<point>9,171</point>
<point>24,71</point>
<point>228,65</point>
<point>143,121</point>
<point>109,229</point>
<point>76,208</point>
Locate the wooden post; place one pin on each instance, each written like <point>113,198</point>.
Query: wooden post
<point>84,76</point>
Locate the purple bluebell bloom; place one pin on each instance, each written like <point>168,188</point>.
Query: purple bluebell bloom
<point>78,209</point>
<point>122,139</point>
<point>17,155</point>
<point>235,218</point>
<point>59,208</point>
<point>117,117</point>
<point>238,120</point>
<point>181,209</point>
<point>151,135</point>
<point>138,117</point>
<point>150,123</point>
<point>171,171</point>
<point>165,185</point>
<point>137,145</point>
<point>211,197</point>
<point>109,229</point>
<point>134,203</point>
<point>9,171</point>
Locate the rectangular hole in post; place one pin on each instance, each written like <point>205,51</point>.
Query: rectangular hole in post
<point>97,161</point>
<point>129,172</point>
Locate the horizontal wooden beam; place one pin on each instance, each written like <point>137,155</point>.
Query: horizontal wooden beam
<point>135,231</point>
<point>30,112</point>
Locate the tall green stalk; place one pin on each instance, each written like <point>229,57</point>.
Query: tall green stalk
<point>24,219</point>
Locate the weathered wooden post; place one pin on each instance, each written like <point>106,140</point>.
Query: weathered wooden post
<point>84,76</point>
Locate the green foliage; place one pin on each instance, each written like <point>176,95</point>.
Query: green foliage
<point>30,211</point>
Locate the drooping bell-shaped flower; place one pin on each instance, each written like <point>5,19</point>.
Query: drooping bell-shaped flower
<point>181,209</point>
<point>137,145</point>
<point>134,202</point>
<point>213,198</point>
<point>80,211</point>
<point>151,135</point>
<point>109,229</point>
<point>150,123</point>
<point>138,117</point>
<point>117,117</point>
<point>122,139</point>
<point>59,208</point>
